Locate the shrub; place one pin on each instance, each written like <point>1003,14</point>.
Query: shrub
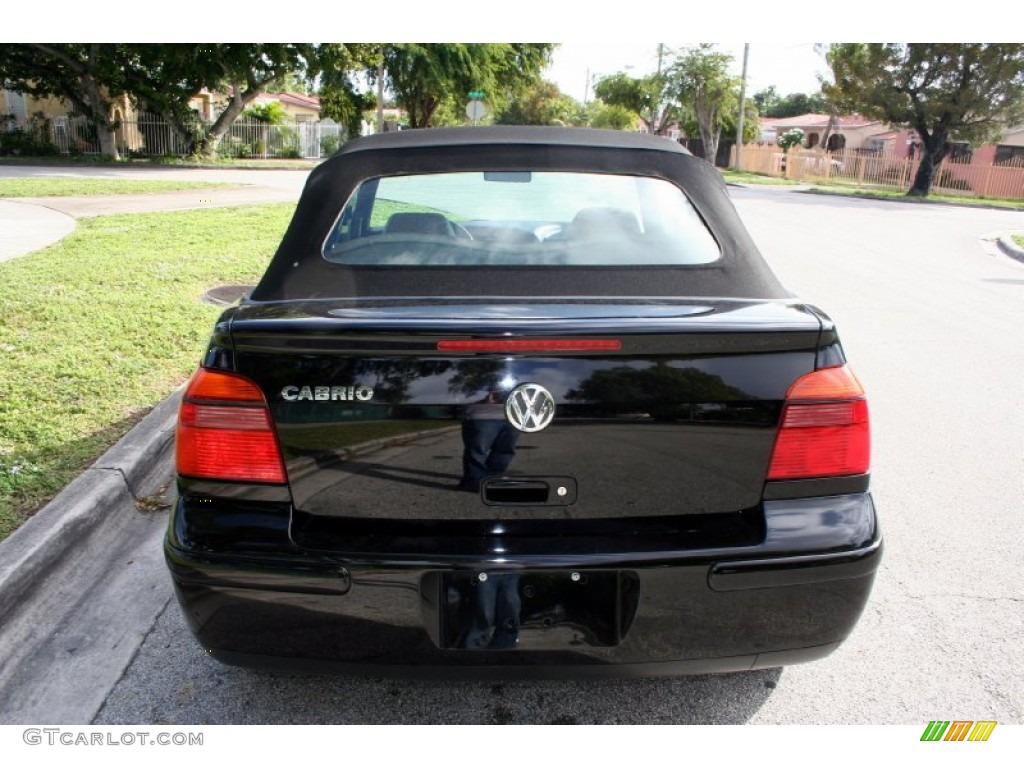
<point>791,138</point>
<point>329,144</point>
<point>32,140</point>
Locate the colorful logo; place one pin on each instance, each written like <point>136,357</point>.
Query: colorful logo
<point>958,730</point>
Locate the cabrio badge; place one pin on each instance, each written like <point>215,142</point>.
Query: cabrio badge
<point>529,407</point>
<point>362,392</point>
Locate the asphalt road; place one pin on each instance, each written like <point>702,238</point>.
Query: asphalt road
<point>931,316</point>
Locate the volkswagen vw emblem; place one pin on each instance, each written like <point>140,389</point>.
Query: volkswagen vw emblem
<point>529,407</point>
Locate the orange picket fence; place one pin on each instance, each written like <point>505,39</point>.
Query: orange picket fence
<point>863,169</point>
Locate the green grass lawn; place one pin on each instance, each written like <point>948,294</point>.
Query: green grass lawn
<point>1019,240</point>
<point>746,177</point>
<point>895,194</point>
<point>98,328</point>
<point>76,187</point>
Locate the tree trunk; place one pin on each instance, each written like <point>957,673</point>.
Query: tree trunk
<point>239,100</point>
<point>829,127</point>
<point>108,141</point>
<point>98,113</point>
<point>709,135</point>
<point>934,149</point>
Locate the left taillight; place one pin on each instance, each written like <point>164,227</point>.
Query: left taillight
<point>225,431</point>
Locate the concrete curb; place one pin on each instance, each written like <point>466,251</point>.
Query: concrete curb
<point>82,582</point>
<point>88,503</point>
<point>902,200</point>
<point>1009,246</point>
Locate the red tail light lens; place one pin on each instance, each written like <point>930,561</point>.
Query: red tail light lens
<point>825,429</point>
<point>225,431</point>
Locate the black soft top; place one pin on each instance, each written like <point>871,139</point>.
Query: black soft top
<point>506,134</point>
<point>298,270</point>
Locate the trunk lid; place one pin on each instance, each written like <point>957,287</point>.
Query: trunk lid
<point>379,425</point>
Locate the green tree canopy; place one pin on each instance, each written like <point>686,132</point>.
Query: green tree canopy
<point>646,98</point>
<point>944,91</point>
<point>426,76</point>
<point>162,78</point>
<point>541,103</point>
<point>614,117</point>
<point>771,104</point>
<point>86,76</point>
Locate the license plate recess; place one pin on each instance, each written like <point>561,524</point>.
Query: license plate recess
<point>535,610</point>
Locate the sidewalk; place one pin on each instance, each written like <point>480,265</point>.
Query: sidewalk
<point>30,223</point>
<point>25,228</point>
<point>82,581</point>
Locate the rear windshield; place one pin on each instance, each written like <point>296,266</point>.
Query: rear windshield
<point>519,218</point>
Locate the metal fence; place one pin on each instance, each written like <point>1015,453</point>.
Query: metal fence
<point>150,136</point>
<point>862,168</point>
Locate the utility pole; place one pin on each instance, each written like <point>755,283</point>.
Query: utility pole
<point>656,117</point>
<point>743,109</point>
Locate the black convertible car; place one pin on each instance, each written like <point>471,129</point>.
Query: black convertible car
<point>522,401</point>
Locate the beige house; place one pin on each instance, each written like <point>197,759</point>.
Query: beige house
<point>23,106</point>
<point>298,106</point>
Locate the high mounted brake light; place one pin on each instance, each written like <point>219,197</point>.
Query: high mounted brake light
<point>225,431</point>
<point>825,430</point>
<point>529,345</point>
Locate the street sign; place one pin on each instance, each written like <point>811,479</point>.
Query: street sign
<point>476,94</point>
<point>475,110</point>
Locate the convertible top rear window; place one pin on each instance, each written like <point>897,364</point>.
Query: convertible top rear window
<point>509,218</point>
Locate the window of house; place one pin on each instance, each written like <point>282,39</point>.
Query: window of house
<point>1009,155</point>
<point>961,152</point>
<point>16,105</point>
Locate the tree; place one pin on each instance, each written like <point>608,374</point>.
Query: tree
<point>767,100</point>
<point>163,78</point>
<point>771,104</point>
<point>167,76</point>
<point>751,127</point>
<point>424,77</point>
<point>541,103</point>
<point>644,97</point>
<point>944,91</point>
<point>614,117</point>
<point>245,70</point>
<point>342,102</point>
<point>699,80</point>
<point>88,76</point>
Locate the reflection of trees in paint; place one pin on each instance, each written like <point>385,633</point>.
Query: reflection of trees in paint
<point>391,378</point>
<point>663,391</point>
<point>476,377</point>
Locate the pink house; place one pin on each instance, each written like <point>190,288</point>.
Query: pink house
<point>850,131</point>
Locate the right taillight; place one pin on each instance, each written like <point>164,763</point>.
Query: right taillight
<point>824,430</point>
<point>225,431</point>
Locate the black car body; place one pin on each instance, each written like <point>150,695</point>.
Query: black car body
<point>522,401</point>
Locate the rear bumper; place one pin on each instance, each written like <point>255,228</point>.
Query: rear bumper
<point>793,598</point>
